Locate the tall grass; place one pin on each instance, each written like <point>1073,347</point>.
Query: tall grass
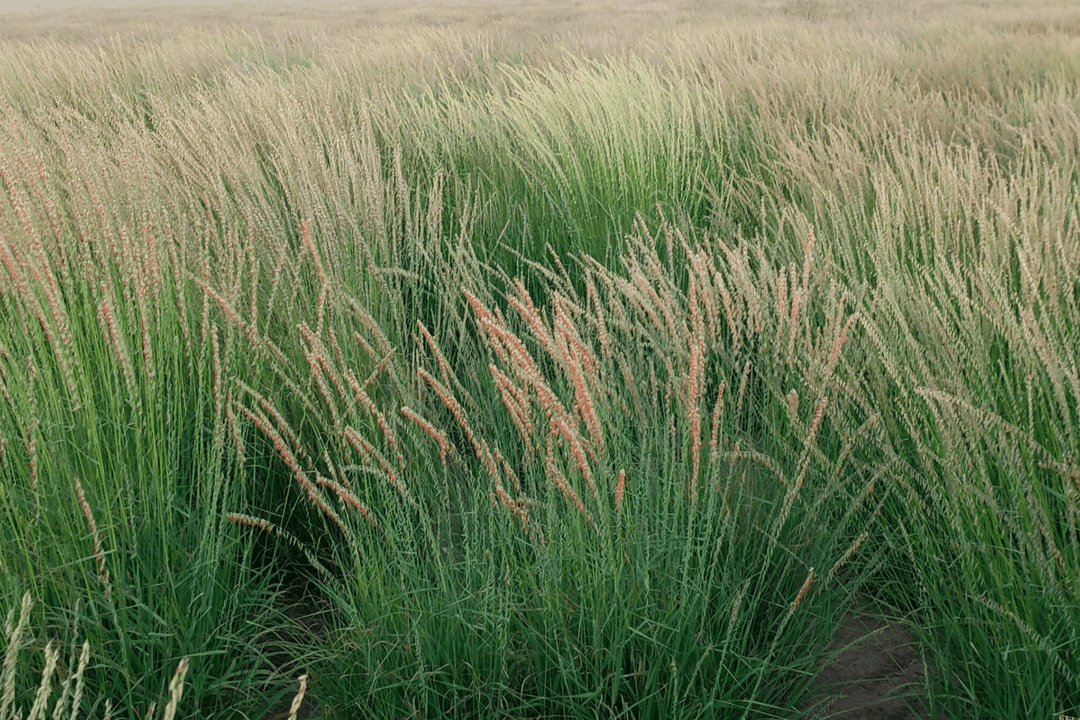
<point>573,376</point>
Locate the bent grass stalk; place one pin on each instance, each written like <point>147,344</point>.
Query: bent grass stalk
<point>99,554</point>
<point>263,424</point>
<point>560,481</point>
<point>441,441</point>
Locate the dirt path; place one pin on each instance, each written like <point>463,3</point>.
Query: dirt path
<point>876,675</point>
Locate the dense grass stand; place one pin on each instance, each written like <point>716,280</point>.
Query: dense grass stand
<point>379,366</point>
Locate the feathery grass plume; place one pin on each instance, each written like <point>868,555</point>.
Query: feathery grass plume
<point>802,590</point>
<point>492,466</point>
<point>565,328</point>
<point>335,471</point>
<point>324,285</point>
<point>957,260</point>
<point>650,301</point>
<point>1035,510</point>
<point>792,402</point>
<point>524,305</point>
<point>440,359</point>
<point>298,699</point>
<point>13,635</point>
<point>347,497</point>
<point>783,310</point>
<point>637,299</point>
<point>699,264</point>
<point>560,427</point>
<point>631,385</point>
<point>517,356</point>
<point>583,404</point>
<point>378,368</point>
<point>481,312</point>
<point>811,435</point>
<point>76,698</point>
<point>798,299</point>
<point>502,352</point>
<point>717,414</point>
<point>451,404</point>
<point>44,278</point>
<point>516,405</point>
<point>107,318</point>
<point>446,448</point>
<point>834,352</point>
<point>693,390</point>
<point>320,384</point>
<point>11,259</point>
<point>317,350</point>
<point>1057,370</point>
<point>279,419</point>
<point>521,361</point>
<point>37,710</point>
<point>230,312</point>
<point>368,451</point>
<point>742,388</point>
<point>560,481</point>
<point>215,383</point>
<point>593,299</point>
<point>385,346</point>
<point>99,554</point>
<point>276,352</point>
<point>18,199</point>
<point>614,299</point>
<point>176,689</point>
<point>62,348</point>
<point>234,429</point>
<point>730,313</point>
<point>275,279</point>
<point>272,529</point>
<point>384,426</point>
<point>365,346</point>
<point>263,424</point>
<point>620,489</point>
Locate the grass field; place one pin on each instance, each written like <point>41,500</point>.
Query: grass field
<point>536,361</point>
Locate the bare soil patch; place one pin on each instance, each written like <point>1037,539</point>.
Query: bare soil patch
<point>875,672</point>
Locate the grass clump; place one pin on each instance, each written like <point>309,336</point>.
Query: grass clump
<point>459,374</point>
